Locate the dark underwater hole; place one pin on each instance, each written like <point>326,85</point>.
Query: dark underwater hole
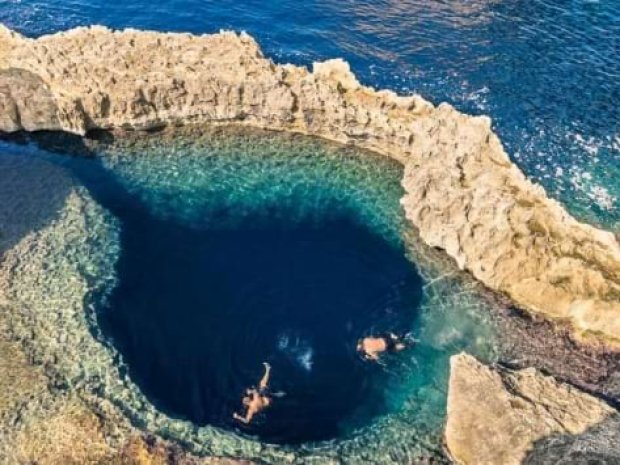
<point>196,312</point>
<point>199,307</point>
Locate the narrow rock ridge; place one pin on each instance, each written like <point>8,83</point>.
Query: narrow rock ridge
<point>462,191</point>
<point>499,416</point>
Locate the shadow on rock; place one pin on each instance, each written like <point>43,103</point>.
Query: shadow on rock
<point>598,445</point>
<point>33,190</point>
<point>32,193</point>
<point>26,103</point>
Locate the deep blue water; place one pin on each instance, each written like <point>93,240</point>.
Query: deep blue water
<point>197,311</point>
<point>546,71</point>
<point>209,289</point>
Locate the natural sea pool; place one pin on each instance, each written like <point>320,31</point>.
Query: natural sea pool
<point>239,252</point>
<point>226,248</point>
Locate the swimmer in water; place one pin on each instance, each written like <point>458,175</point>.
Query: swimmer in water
<point>256,399</point>
<point>371,347</point>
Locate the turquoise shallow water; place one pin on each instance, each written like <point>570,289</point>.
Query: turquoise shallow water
<point>546,71</point>
<point>334,215</point>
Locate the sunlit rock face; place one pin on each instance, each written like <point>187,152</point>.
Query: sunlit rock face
<point>511,417</point>
<point>461,190</point>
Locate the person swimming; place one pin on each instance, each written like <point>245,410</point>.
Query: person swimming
<point>256,399</point>
<point>372,346</point>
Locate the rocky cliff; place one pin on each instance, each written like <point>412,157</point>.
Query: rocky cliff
<point>462,191</point>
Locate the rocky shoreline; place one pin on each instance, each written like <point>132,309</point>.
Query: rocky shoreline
<point>463,195</point>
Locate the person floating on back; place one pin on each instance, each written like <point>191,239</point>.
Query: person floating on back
<point>256,399</point>
<point>371,347</point>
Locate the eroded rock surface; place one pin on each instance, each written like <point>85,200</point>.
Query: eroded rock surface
<point>498,416</point>
<point>463,192</point>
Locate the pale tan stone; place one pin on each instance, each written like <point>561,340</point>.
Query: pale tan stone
<point>501,417</point>
<point>19,380</point>
<point>71,435</point>
<point>462,191</point>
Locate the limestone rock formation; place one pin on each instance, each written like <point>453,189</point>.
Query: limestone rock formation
<point>508,417</point>
<point>462,191</point>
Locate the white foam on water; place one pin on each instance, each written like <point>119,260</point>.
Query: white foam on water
<point>478,98</point>
<point>305,359</point>
<point>589,144</point>
<point>283,341</point>
<point>298,350</point>
<point>583,182</point>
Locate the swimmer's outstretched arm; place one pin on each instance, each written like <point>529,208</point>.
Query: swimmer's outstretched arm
<point>246,420</point>
<point>264,382</point>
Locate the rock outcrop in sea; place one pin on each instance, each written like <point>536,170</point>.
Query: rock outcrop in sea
<point>501,416</point>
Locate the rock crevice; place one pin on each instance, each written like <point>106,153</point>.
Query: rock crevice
<point>462,191</point>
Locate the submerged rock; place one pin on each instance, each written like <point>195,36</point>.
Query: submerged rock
<point>511,417</point>
<point>462,191</point>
